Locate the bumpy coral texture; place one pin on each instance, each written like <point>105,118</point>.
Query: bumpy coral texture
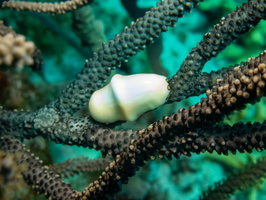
<point>56,8</point>
<point>197,129</point>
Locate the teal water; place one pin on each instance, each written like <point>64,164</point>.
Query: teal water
<point>64,55</point>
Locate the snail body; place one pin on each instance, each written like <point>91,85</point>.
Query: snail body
<point>128,97</point>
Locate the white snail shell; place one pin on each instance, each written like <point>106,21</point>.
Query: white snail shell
<point>128,97</point>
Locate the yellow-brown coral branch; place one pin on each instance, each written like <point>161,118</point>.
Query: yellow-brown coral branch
<point>54,8</point>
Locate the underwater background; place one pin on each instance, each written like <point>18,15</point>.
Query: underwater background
<point>64,49</point>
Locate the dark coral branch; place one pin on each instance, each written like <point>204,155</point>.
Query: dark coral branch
<point>246,84</point>
<point>220,138</point>
<point>124,45</point>
<point>79,165</point>
<point>217,39</point>
<point>193,130</point>
<point>68,130</point>
<point>95,72</point>
<point>79,131</point>
<point>41,178</point>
